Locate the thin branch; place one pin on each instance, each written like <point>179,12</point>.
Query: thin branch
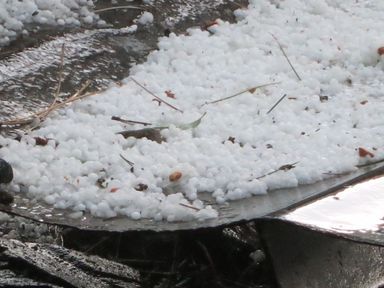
<point>156,97</point>
<point>286,57</point>
<point>61,68</point>
<point>116,118</point>
<point>250,90</point>
<point>189,206</point>
<point>277,103</point>
<point>41,115</point>
<point>281,168</point>
<point>44,114</point>
<point>126,160</point>
<point>60,81</point>
<point>118,7</point>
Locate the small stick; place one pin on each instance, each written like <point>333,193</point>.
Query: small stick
<point>251,90</point>
<point>44,114</point>
<point>189,206</point>
<point>239,5</point>
<point>58,89</point>
<point>282,168</point>
<point>116,118</point>
<point>117,7</point>
<point>41,115</point>
<point>60,71</point>
<point>277,103</point>
<point>156,97</point>
<point>286,57</point>
<point>126,160</point>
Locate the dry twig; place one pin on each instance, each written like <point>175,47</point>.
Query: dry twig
<point>286,57</point>
<point>117,8</point>
<point>154,95</point>
<point>41,115</point>
<point>281,168</point>
<point>116,118</point>
<point>250,90</point>
<point>189,206</point>
<point>130,163</point>
<point>277,103</point>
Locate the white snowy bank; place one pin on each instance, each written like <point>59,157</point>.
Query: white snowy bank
<point>15,14</point>
<point>335,109</point>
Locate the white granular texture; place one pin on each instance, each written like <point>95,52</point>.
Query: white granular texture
<point>15,14</point>
<point>333,47</point>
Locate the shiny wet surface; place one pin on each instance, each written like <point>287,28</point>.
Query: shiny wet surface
<point>355,212</point>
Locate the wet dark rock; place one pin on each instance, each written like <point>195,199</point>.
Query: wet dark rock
<point>6,172</point>
<point>45,265</point>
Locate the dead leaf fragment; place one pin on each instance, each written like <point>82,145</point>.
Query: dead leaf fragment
<point>252,90</point>
<point>323,98</point>
<point>41,141</point>
<point>175,176</point>
<point>364,152</point>
<point>149,133</point>
<point>208,25</point>
<point>287,167</point>
<point>231,139</point>
<point>141,187</point>
<point>170,94</point>
<point>364,102</point>
<point>380,50</point>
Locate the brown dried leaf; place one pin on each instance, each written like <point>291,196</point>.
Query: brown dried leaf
<point>364,152</point>
<point>149,133</point>
<point>41,141</point>
<point>175,176</point>
<point>170,94</point>
<point>252,90</point>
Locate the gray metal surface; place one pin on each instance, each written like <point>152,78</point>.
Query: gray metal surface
<point>355,212</point>
<point>303,258</point>
<point>236,211</point>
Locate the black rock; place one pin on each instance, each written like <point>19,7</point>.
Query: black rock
<point>6,172</point>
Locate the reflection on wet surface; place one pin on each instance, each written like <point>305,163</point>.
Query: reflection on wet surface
<point>359,207</point>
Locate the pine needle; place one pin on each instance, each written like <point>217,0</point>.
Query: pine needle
<point>286,57</point>
<point>154,95</point>
<point>117,8</point>
<point>130,163</point>
<point>277,103</point>
<point>250,90</point>
<point>116,118</point>
<point>41,115</point>
<point>189,206</point>
<point>284,168</point>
